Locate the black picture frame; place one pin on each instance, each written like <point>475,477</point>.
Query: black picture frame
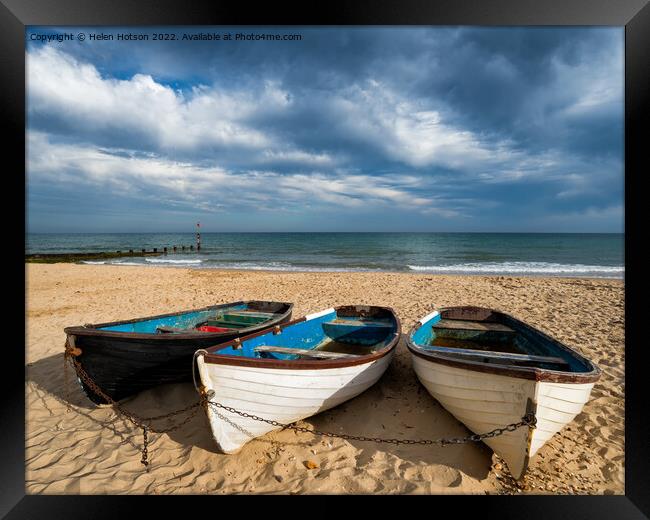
<point>634,15</point>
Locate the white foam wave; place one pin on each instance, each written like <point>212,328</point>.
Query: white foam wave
<point>173,261</point>
<point>282,266</point>
<point>109,262</point>
<point>268,266</point>
<point>486,268</point>
<point>541,268</point>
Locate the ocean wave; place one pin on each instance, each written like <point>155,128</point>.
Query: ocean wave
<point>284,266</point>
<point>477,268</point>
<point>172,261</point>
<point>108,262</point>
<point>548,268</point>
<point>254,266</point>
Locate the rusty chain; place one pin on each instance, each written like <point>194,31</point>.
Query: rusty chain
<point>66,377</point>
<point>145,422</point>
<point>141,422</point>
<point>145,450</point>
<point>527,420</point>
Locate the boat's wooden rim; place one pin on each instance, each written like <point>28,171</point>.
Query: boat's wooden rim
<point>522,372</point>
<point>301,364</point>
<point>93,329</point>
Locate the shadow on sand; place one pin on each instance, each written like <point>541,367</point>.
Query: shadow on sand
<point>395,407</point>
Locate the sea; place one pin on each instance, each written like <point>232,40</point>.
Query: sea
<point>597,255</point>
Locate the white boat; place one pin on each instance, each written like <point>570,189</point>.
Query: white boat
<point>489,370</point>
<point>295,370</point>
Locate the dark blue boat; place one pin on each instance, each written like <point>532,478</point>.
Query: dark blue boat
<point>125,357</point>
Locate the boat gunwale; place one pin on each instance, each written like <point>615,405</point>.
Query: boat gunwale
<point>94,329</point>
<point>533,373</point>
<point>301,364</point>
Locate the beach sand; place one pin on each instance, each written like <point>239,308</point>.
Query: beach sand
<point>88,450</point>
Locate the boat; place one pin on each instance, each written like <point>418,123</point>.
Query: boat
<point>294,371</point>
<point>126,357</point>
<point>489,370</point>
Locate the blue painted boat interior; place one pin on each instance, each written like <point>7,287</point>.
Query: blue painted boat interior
<point>330,332</point>
<point>521,341</point>
<point>186,320</point>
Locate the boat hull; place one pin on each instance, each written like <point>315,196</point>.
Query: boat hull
<point>122,367</point>
<point>484,401</point>
<point>489,393</point>
<point>285,387</point>
<point>124,364</point>
<point>283,395</point>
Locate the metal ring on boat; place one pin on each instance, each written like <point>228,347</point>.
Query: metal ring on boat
<point>202,353</point>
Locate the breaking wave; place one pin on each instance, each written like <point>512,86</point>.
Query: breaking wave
<point>539,268</point>
<point>172,261</point>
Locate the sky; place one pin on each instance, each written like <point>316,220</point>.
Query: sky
<point>513,129</point>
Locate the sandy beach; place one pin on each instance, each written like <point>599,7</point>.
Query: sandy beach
<point>88,450</point>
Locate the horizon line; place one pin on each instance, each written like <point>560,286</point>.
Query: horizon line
<point>348,232</point>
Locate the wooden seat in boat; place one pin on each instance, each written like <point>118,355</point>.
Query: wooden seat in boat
<point>237,319</point>
<point>304,352</point>
<point>498,356</point>
<point>255,314</point>
<point>472,325</point>
<point>358,323</point>
<point>357,331</point>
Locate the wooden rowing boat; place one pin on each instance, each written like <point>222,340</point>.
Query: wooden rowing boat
<point>489,369</point>
<point>295,370</point>
<point>126,357</point>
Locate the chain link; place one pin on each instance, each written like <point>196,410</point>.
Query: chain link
<point>141,422</point>
<point>66,377</point>
<point>527,420</point>
<point>145,450</point>
<point>204,401</point>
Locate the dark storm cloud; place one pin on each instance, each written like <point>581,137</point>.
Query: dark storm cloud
<point>429,120</point>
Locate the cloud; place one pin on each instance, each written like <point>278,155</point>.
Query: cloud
<point>586,218</point>
<point>211,188</point>
<point>462,123</point>
<point>263,125</point>
<point>75,95</point>
<point>407,131</point>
